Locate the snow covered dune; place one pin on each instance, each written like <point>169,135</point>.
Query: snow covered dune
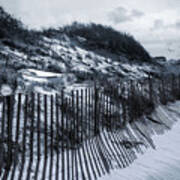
<point>162,163</point>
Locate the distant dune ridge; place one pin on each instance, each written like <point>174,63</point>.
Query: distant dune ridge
<point>77,54</point>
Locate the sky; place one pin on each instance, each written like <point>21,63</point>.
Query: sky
<point>155,23</point>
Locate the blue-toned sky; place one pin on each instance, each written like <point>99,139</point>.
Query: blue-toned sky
<point>155,23</point>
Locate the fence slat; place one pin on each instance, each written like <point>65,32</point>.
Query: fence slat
<point>51,136</point>
<point>62,131</point>
<point>31,137</point>
<point>92,150</point>
<point>45,138</point>
<point>2,132</point>
<point>84,130</point>
<point>57,138</point>
<point>87,141</point>
<point>73,137</point>
<point>9,101</point>
<point>38,136</point>
<point>89,150</point>
<point>68,113</point>
<point>76,137</point>
<point>24,138</point>
<point>16,150</point>
<point>79,133</point>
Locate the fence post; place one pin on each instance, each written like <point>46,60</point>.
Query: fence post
<point>68,111</point>
<point>9,138</point>
<point>172,85</point>
<point>96,130</point>
<point>16,149</point>
<point>150,87</point>
<point>45,138</point>
<point>132,108</point>
<point>73,138</point>
<point>31,135</point>
<point>57,138</point>
<point>52,136</point>
<point>38,137</point>
<point>3,118</point>
<point>124,115</point>
<point>178,83</point>
<point>62,130</point>
<point>2,135</point>
<point>24,137</point>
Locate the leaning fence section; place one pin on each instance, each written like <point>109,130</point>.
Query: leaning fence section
<point>78,135</point>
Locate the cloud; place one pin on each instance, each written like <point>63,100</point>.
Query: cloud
<point>121,15</point>
<point>137,13</point>
<point>158,23</point>
<point>177,24</point>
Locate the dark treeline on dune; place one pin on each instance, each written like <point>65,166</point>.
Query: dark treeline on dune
<point>97,36</point>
